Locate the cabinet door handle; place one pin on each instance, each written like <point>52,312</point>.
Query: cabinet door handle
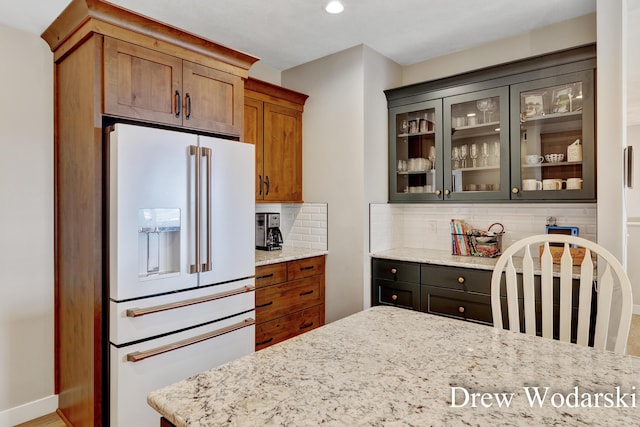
<point>394,271</point>
<point>266,178</point>
<point>264,342</point>
<point>460,309</point>
<point>447,192</point>
<point>460,279</point>
<point>308,325</point>
<point>137,356</point>
<point>266,276</point>
<point>438,192</point>
<point>261,184</point>
<point>515,190</point>
<point>177,101</point>
<point>264,305</point>
<point>394,297</point>
<point>311,267</point>
<point>306,293</point>
<point>187,106</point>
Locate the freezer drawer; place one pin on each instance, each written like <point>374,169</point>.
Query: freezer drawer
<point>136,370</point>
<point>149,317</point>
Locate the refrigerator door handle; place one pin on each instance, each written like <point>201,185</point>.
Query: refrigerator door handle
<point>195,151</point>
<point>207,153</point>
<point>628,166</point>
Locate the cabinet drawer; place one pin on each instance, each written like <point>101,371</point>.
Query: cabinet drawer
<point>286,298</point>
<point>400,271</point>
<point>458,304</point>
<point>400,294</point>
<point>305,267</point>
<point>271,274</point>
<point>466,279</point>
<point>289,326</point>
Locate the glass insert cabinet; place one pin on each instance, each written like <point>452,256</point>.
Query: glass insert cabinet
<point>526,136</point>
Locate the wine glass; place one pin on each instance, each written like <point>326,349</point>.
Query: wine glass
<point>473,153</point>
<point>485,154</point>
<point>455,156</point>
<point>483,105</point>
<point>432,156</point>
<point>464,152</point>
<point>492,108</point>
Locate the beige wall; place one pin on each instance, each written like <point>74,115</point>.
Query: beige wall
<point>26,218</point>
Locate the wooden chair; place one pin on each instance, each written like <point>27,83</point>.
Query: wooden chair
<point>611,273</point>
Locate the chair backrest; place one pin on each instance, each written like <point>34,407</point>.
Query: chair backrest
<point>611,273</point>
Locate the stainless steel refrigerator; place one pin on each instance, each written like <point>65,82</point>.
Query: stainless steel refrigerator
<point>181,261</point>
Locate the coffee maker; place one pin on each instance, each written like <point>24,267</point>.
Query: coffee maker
<point>268,235</point>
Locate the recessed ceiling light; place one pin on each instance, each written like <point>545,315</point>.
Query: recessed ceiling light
<point>334,7</point>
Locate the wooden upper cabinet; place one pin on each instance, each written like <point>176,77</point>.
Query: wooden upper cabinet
<point>212,99</point>
<point>282,152</point>
<point>144,84</point>
<point>273,122</point>
<point>141,83</point>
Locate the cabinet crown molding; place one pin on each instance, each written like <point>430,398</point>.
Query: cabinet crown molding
<point>98,16</point>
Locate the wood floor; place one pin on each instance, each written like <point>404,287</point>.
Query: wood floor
<point>633,348</point>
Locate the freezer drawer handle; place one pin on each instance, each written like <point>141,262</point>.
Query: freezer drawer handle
<point>137,312</point>
<point>141,355</point>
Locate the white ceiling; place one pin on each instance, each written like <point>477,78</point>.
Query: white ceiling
<point>286,33</point>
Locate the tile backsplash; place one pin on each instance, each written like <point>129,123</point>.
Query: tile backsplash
<point>427,226</point>
<point>302,225</point>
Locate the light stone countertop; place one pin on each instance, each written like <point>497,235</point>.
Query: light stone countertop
<point>285,254</point>
<point>388,366</point>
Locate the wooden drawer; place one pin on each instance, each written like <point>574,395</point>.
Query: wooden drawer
<point>399,294</point>
<point>305,267</point>
<point>289,326</point>
<point>286,298</point>
<point>271,274</point>
<point>458,304</point>
<point>399,271</point>
<point>457,278</point>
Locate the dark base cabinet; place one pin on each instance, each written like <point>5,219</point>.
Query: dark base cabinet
<point>460,293</point>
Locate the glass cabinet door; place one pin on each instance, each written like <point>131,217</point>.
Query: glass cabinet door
<point>476,145</point>
<point>552,139</point>
<point>415,152</point>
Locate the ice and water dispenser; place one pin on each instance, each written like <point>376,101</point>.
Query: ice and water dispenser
<point>158,241</point>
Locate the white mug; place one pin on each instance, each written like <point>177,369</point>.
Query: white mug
<point>552,184</point>
<point>574,183</point>
<point>531,185</point>
<point>533,159</point>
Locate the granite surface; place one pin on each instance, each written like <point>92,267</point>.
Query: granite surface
<point>285,254</point>
<point>440,257</point>
<point>393,367</point>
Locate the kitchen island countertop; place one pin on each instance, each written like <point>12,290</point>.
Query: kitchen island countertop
<point>391,366</point>
<point>285,254</point>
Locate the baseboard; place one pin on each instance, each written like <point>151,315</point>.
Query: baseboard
<point>636,309</point>
<point>28,411</point>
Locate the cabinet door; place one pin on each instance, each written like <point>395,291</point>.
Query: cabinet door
<point>212,99</point>
<point>552,138</point>
<point>415,152</point>
<point>141,83</point>
<point>282,154</point>
<point>476,145</point>
<point>253,134</point>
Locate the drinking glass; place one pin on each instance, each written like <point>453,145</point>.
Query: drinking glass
<point>455,156</point>
<point>473,153</point>
<point>496,153</point>
<point>432,156</point>
<point>485,154</point>
<point>464,152</point>
<point>483,105</point>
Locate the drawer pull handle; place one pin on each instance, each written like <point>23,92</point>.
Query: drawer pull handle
<point>461,279</point>
<point>264,305</point>
<point>394,271</point>
<point>137,312</point>
<point>306,293</point>
<point>461,309</point>
<point>266,276</point>
<point>394,297</point>
<point>308,325</point>
<point>264,342</point>
<point>137,356</point>
<point>307,268</point>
